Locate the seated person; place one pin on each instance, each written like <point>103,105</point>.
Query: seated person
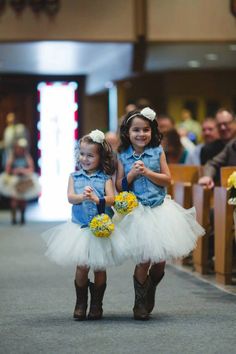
<point>227,157</point>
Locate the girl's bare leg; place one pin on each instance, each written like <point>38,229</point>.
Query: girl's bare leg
<point>141,272</point>
<point>100,278</point>
<point>13,204</point>
<point>81,276</point>
<point>22,206</point>
<point>157,271</point>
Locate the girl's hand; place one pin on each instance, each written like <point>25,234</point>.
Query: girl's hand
<point>88,194</point>
<point>140,167</point>
<point>134,172</point>
<point>18,171</point>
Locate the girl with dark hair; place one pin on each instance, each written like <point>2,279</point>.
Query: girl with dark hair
<point>174,150</point>
<point>90,191</point>
<point>158,229</point>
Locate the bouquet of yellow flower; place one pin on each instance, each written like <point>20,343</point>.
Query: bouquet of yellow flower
<point>101,225</point>
<point>231,186</point>
<point>125,202</point>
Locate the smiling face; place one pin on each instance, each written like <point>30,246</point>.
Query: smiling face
<point>225,125</point>
<point>209,131</point>
<point>140,134</point>
<point>89,157</point>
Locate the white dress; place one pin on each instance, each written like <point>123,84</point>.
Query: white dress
<point>159,228</point>
<point>71,244</point>
<point>161,233</point>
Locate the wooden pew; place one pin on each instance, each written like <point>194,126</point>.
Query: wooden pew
<point>223,229</point>
<point>202,200</point>
<point>183,177</point>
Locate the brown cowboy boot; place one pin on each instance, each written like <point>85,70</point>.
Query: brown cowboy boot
<point>152,291</point>
<point>139,310</point>
<point>97,293</point>
<point>81,302</point>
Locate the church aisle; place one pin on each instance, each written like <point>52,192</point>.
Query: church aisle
<point>37,301</point>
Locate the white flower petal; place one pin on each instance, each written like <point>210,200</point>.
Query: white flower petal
<point>97,136</point>
<point>148,113</point>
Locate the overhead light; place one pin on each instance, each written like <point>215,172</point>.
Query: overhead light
<point>193,63</point>
<point>212,56</point>
<point>232,47</point>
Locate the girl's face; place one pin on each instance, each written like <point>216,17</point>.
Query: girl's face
<point>89,157</point>
<point>19,151</point>
<point>140,134</point>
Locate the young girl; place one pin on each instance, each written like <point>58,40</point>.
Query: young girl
<point>158,229</point>
<point>90,189</point>
<point>19,182</point>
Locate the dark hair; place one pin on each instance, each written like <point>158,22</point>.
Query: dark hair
<point>223,109</point>
<point>126,124</point>
<point>173,139</point>
<point>166,116</point>
<point>209,119</point>
<point>107,163</point>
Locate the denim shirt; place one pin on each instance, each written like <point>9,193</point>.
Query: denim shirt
<point>20,162</point>
<point>83,213</point>
<point>147,192</point>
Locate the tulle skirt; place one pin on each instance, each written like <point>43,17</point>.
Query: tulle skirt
<point>20,187</point>
<point>69,244</point>
<point>161,233</point>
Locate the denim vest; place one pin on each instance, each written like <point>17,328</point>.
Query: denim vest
<point>19,162</point>
<point>83,213</point>
<point>147,192</point>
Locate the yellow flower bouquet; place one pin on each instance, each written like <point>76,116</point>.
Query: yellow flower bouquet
<point>231,186</point>
<point>125,202</point>
<point>101,225</point>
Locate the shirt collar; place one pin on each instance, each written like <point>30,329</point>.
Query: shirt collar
<point>82,172</point>
<point>147,151</point>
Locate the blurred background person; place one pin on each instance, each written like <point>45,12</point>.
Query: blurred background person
<point>175,151</point>
<point>19,182</point>
<point>209,134</point>
<point>226,126</point>
<point>113,139</point>
<point>192,127</point>
<point>12,132</point>
<point>227,157</point>
<point>165,123</point>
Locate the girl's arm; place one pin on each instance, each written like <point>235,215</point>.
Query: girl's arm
<point>133,173</point>
<point>109,192</point>
<point>8,167</point>
<point>30,168</point>
<point>73,198</point>
<point>162,178</point>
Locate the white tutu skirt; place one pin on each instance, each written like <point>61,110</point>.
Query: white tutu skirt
<point>69,244</point>
<point>161,233</point>
<point>20,187</point>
